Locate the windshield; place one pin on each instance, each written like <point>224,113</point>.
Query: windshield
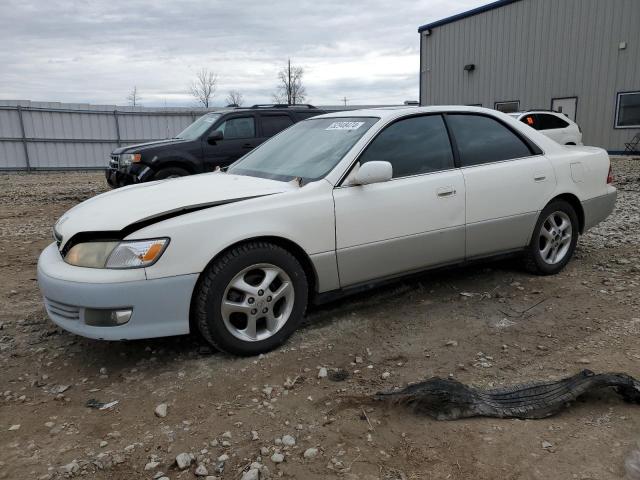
<point>309,149</point>
<point>197,128</point>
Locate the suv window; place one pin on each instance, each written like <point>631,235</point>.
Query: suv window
<point>481,139</point>
<point>550,122</point>
<point>413,146</point>
<point>238,127</point>
<point>272,124</point>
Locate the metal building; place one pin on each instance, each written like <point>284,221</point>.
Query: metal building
<point>581,57</point>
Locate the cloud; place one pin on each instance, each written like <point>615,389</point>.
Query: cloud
<point>95,52</point>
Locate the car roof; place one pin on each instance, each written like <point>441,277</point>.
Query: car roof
<point>225,110</point>
<point>392,112</point>
<point>540,111</point>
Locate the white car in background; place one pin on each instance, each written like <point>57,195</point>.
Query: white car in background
<point>333,204</point>
<point>554,125</point>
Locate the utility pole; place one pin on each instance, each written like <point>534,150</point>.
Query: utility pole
<point>290,89</point>
<point>344,99</point>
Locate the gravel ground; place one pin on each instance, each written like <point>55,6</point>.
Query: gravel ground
<point>188,412</point>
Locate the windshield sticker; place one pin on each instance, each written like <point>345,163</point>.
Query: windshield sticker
<point>345,126</point>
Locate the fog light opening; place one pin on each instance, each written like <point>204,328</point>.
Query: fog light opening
<point>120,317</point>
<point>107,318</point>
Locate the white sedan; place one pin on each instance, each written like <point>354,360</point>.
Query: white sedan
<point>332,204</point>
<point>554,125</point>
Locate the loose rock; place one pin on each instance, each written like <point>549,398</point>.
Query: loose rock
<point>277,458</point>
<point>183,461</point>
<point>310,453</point>
<point>161,410</point>
<point>201,471</point>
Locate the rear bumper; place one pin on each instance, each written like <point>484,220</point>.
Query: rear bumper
<point>160,307</point>
<point>598,208</point>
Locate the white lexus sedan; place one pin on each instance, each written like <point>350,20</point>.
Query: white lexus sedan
<point>332,204</point>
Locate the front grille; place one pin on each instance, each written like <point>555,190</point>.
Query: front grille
<point>114,162</point>
<point>62,310</point>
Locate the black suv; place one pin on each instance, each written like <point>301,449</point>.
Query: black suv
<point>216,139</point>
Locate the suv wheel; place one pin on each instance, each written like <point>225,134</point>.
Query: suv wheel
<point>554,239</point>
<point>251,299</point>
<point>170,172</point>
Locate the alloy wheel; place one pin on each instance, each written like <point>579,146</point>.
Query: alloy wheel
<point>554,241</point>
<point>257,302</point>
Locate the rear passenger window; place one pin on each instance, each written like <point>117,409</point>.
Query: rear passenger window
<point>550,122</point>
<point>481,139</point>
<point>413,146</point>
<point>239,127</point>
<point>273,124</point>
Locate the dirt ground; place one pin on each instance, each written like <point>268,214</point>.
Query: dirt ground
<point>488,325</point>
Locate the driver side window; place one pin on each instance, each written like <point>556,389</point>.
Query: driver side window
<point>413,146</point>
<point>239,127</point>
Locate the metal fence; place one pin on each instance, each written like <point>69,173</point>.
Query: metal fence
<point>57,136</point>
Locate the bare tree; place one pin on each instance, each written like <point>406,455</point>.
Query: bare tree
<point>234,98</point>
<point>290,89</point>
<point>134,97</point>
<point>203,87</point>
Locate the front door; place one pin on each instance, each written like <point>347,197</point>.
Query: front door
<point>413,221</point>
<point>239,138</point>
<point>567,105</point>
<point>506,180</point>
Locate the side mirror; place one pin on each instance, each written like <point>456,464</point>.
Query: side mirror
<point>373,172</point>
<point>214,137</point>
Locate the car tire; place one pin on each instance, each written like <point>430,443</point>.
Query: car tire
<point>554,239</point>
<point>170,172</point>
<point>263,312</point>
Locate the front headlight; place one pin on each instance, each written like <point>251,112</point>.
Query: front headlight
<point>125,254</point>
<point>127,159</point>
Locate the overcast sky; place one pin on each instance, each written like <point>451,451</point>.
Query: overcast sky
<point>96,51</point>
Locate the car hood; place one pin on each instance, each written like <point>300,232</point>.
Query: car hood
<point>141,147</point>
<point>127,209</point>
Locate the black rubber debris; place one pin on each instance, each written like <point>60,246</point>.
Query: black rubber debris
<point>446,399</point>
<point>338,375</point>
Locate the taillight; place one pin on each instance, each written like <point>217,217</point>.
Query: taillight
<point>609,176</point>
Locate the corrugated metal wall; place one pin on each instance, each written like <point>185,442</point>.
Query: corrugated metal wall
<point>73,136</point>
<point>537,50</point>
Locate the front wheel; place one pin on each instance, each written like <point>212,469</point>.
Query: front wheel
<point>170,172</point>
<point>251,299</point>
<point>554,239</point>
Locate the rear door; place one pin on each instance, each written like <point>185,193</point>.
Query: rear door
<point>507,181</point>
<point>413,221</point>
<point>239,132</point>
<point>272,124</point>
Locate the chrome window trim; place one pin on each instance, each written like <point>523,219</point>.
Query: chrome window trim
<point>501,161</point>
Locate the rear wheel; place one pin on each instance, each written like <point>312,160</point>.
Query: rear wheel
<point>251,299</point>
<point>170,172</point>
<point>554,239</point>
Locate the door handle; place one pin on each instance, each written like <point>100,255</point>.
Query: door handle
<point>540,178</point>
<point>449,191</point>
<point>247,145</point>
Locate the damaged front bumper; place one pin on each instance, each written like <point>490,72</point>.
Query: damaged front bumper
<point>113,304</point>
